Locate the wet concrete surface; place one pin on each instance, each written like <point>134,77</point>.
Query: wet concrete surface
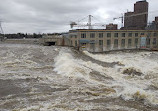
<point>81,55</point>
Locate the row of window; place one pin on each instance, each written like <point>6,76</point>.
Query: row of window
<point>154,41</point>
<point>123,41</point>
<point>92,35</point>
<point>116,42</point>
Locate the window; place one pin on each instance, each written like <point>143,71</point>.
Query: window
<point>142,34</point>
<point>92,46</point>
<point>83,35</point>
<point>136,34</point>
<point>100,42</point>
<point>71,43</point>
<point>116,35</point>
<point>148,41</point>
<point>92,35</point>
<point>129,42</point>
<point>108,34</point>
<point>123,34</point>
<point>155,34</point>
<point>123,43</point>
<point>129,34</point>
<point>136,42</point>
<point>76,43</point>
<point>100,35</point>
<point>154,41</point>
<point>108,43</point>
<point>116,43</point>
<point>149,34</point>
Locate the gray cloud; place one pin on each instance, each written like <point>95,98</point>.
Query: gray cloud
<point>55,15</point>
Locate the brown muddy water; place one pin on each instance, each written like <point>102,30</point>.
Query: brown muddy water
<point>40,78</point>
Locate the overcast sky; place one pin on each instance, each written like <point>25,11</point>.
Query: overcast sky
<point>42,16</point>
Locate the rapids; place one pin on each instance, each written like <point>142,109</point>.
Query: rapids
<point>41,78</point>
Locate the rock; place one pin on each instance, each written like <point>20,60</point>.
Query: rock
<point>132,72</point>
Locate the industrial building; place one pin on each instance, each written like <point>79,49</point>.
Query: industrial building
<point>97,40</point>
<point>136,33</point>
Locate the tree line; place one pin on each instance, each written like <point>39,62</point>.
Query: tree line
<point>27,35</point>
<point>22,35</point>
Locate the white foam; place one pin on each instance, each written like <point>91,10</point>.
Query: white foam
<point>67,65</point>
<point>136,60</point>
<point>129,86</point>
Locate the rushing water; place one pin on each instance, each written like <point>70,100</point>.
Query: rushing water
<point>40,78</point>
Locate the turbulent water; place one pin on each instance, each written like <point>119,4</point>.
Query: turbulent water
<point>40,78</point>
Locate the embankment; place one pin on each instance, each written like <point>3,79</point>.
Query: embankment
<point>21,41</point>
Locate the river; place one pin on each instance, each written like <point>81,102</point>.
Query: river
<point>42,78</point>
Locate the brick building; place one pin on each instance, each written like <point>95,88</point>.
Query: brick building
<point>137,20</point>
<point>111,26</point>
